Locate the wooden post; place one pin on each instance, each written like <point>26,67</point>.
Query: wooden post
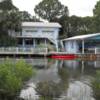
<point>83,47</point>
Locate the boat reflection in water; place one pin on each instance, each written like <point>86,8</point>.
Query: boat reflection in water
<point>61,80</point>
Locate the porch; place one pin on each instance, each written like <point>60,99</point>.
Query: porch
<point>29,42</point>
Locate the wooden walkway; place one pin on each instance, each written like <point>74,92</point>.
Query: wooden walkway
<point>40,52</point>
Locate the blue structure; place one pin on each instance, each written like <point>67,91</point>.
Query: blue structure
<point>82,44</point>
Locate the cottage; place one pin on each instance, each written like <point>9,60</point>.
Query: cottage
<point>89,43</point>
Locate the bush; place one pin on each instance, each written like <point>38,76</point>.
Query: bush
<point>96,86</point>
<point>13,75</point>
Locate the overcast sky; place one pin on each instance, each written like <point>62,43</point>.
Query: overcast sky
<point>76,7</point>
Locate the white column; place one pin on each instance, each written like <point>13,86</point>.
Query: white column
<point>62,45</point>
<point>45,43</point>
<point>57,45</point>
<point>83,47</point>
<point>95,50</point>
<point>34,43</point>
<point>23,42</point>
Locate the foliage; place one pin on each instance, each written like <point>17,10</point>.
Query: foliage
<point>25,16</point>
<point>51,9</point>
<point>48,89</point>
<point>9,20</point>
<point>96,16</point>
<point>6,40</point>
<point>7,5</point>
<point>74,25</point>
<point>12,76</point>
<point>96,85</point>
<point>96,9</point>
<point>22,68</point>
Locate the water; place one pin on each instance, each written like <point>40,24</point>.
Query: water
<point>60,80</point>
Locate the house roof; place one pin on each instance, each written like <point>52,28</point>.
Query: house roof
<point>81,37</point>
<point>40,24</point>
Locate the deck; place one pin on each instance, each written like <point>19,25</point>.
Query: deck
<point>22,51</point>
<point>40,52</point>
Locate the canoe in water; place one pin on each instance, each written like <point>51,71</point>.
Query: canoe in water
<point>64,56</point>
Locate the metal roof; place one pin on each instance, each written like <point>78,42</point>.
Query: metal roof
<point>40,24</point>
<point>81,37</point>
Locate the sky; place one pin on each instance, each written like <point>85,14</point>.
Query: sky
<point>76,7</point>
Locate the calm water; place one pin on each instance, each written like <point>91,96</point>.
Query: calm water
<point>60,80</point>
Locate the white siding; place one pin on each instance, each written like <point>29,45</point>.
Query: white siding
<point>71,47</point>
<point>40,32</point>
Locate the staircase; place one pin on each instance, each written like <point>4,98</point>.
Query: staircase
<point>54,41</point>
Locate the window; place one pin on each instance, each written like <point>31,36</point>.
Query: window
<point>47,31</point>
<point>31,31</point>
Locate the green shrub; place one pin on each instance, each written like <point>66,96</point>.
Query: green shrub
<point>96,86</point>
<point>23,70</point>
<point>13,75</point>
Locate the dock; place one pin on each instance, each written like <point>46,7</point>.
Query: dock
<point>41,52</point>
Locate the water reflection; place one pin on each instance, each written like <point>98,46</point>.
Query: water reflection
<point>61,80</point>
<point>48,90</point>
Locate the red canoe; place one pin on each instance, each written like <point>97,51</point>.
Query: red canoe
<point>66,56</point>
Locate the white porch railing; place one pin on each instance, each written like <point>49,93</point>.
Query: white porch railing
<point>22,50</point>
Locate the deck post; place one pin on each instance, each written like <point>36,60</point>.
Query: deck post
<point>83,47</point>
<point>95,50</point>
<point>62,45</point>
<point>45,41</point>
<point>34,43</point>
<point>23,42</point>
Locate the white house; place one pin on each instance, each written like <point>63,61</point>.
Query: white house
<point>38,34</point>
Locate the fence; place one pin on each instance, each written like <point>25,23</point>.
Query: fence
<point>22,50</point>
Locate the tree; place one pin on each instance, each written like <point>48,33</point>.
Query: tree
<point>6,5</point>
<point>74,25</point>
<point>9,14</point>
<point>35,19</point>
<point>9,20</point>
<point>25,16</point>
<point>50,9</point>
<point>96,10</point>
<point>96,13</point>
